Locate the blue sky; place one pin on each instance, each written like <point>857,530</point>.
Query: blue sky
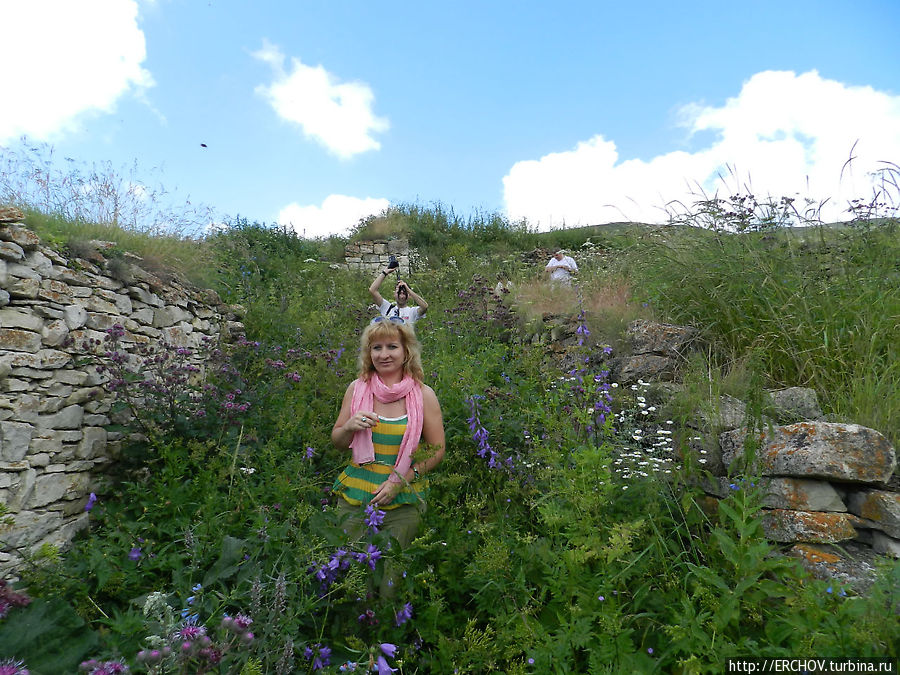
<point>315,114</point>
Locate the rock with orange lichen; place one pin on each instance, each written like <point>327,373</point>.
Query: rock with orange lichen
<point>784,525</point>
<point>879,506</point>
<point>827,450</point>
<point>850,566</point>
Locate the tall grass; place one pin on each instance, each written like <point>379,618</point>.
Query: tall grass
<point>72,204</point>
<point>816,307</point>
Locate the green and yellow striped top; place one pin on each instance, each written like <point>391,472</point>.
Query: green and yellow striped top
<point>357,483</point>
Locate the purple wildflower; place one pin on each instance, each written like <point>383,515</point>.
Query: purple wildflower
<point>92,499</point>
<point>310,452</point>
<point>390,650</point>
<point>383,667</point>
<point>374,518</point>
<point>370,557</point>
<point>135,553</point>
<point>319,655</point>
<point>404,615</point>
<point>10,667</point>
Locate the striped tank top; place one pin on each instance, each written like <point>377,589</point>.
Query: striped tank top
<point>357,483</point>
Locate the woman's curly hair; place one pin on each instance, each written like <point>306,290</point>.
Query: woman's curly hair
<point>388,330</point>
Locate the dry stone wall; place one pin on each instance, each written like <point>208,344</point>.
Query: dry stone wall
<point>54,445</point>
<point>373,256</point>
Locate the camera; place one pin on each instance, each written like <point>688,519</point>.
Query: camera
<point>393,262</point>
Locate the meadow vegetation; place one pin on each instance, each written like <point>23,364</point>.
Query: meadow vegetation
<point>216,548</point>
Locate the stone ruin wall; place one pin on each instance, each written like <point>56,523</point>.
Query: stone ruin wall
<point>54,446</point>
<point>370,257</point>
<point>824,483</point>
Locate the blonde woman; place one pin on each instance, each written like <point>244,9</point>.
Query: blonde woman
<point>386,413</point>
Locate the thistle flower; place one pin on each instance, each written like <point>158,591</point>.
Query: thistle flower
<point>10,667</point>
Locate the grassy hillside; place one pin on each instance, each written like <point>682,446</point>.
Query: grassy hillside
<point>537,554</point>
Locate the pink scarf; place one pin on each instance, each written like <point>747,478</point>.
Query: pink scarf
<point>364,393</point>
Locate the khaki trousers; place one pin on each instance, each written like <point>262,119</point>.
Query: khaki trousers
<point>401,523</point>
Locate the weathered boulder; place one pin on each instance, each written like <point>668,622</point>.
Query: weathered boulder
<point>27,289</point>
<point>17,340</point>
<point>833,451</point>
<point>796,404</point>
<point>881,543</point>
<point>11,214</point>
<point>656,351</point>
<point>650,337</point>
<point>29,527</point>
<point>647,367</point>
<point>879,506</point>
<point>22,236</point>
<point>784,525</point>
<point>68,418</point>
<point>11,251</point>
<point>15,438</point>
<point>52,487</point>
<point>800,494</point>
<point>849,565</point>
<point>92,444</point>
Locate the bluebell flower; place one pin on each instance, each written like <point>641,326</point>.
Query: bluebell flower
<point>374,518</point>
<point>404,615</point>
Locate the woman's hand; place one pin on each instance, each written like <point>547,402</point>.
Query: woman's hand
<point>360,421</point>
<point>385,493</point>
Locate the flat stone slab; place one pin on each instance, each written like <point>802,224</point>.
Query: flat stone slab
<point>786,526</point>
<point>879,506</point>
<point>827,450</point>
<point>801,494</point>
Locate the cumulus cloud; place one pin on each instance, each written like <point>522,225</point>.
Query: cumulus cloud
<point>337,215</point>
<point>62,59</point>
<point>336,114</point>
<point>783,135</point>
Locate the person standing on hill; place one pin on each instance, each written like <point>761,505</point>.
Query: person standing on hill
<point>402,294</point>
<point>561,268</point>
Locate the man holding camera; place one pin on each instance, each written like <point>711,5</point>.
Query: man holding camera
<point>402,294</point>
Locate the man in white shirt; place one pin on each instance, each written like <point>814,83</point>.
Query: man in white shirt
<point>402,294</point>
<point>561,268</point>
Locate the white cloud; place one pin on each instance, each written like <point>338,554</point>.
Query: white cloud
<point>783,135</point>
<point>337,215</point>
<point>336,114</point>
<point>61,59</point>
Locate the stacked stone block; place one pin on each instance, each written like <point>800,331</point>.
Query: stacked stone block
<point>54,446</point>
<point>824,482</point>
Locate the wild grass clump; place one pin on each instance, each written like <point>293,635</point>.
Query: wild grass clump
<point>817,309</point>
